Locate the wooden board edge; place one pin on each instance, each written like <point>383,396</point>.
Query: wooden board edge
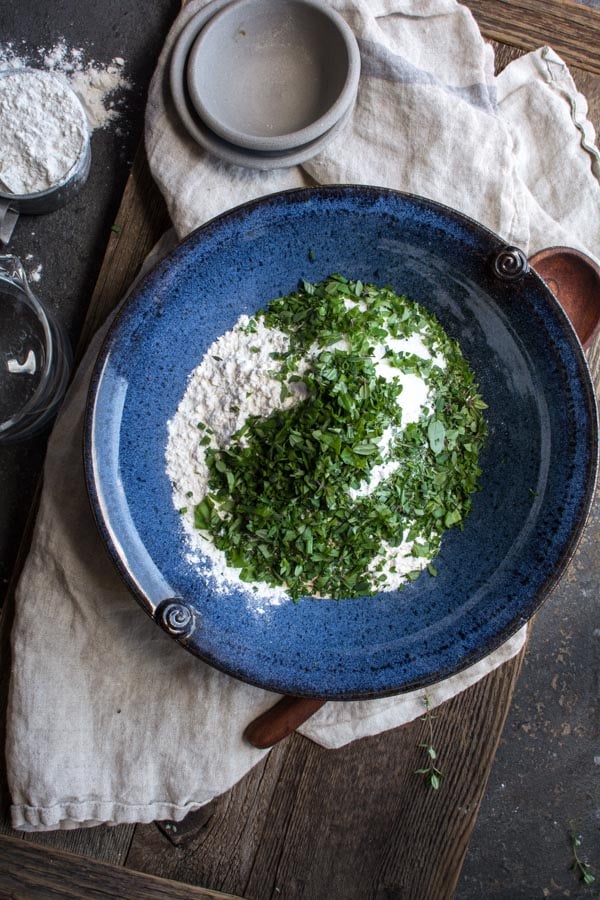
<point>31,870</point>
<point>508,673</point>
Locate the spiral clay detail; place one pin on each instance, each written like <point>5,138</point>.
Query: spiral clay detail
<point>511,264</point>
<point>176,618</point>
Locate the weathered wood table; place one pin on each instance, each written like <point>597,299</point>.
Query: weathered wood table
<point>351,823</point>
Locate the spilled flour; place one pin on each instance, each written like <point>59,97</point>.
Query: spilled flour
<point>33,269</point>
<point>99,86</point>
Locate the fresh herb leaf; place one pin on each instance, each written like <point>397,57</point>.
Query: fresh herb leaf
<point>431,774</point>
<point>578,865</point>
<point>436,435</point>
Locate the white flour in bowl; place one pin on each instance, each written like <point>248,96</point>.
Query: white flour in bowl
<point>237,379</point>
<point>101,87</point>
<point>230,384</point>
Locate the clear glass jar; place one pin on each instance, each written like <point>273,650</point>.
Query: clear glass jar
<point>35,357</point>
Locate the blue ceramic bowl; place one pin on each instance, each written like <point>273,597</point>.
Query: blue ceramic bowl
<point>538,464</point>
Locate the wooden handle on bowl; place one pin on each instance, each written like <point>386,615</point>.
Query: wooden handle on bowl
<point>574,279</point>
<point>279,721</point>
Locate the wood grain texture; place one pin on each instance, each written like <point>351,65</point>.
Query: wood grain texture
<point>353,823</point>
<point>503,55</point>
<point>142,220</point>
<point>570,28</point>
<point>587,83</point>
<point>68,875</point>
<point>182,832</point>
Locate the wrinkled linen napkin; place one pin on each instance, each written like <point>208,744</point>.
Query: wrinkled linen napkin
<point>109,721</point>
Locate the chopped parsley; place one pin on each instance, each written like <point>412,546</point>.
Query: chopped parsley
<point>285,501</point>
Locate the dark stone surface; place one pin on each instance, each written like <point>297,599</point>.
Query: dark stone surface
<point>547,771</point>
<point>70,243</point>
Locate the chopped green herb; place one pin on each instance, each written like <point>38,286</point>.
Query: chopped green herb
<point>284,503</point>
<point>436,434</point>
<point>251,327</point>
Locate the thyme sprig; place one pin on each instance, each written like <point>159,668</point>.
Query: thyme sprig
<point>581,868</point>
<point>432,775</point>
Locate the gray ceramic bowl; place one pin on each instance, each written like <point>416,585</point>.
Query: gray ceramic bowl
<point>272,75</point>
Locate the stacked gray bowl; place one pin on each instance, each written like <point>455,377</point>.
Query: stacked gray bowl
<point>265,83</point>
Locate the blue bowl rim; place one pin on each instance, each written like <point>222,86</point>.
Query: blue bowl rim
<point>300,195</point>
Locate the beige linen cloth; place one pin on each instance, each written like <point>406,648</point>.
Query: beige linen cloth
<point>110,721</point>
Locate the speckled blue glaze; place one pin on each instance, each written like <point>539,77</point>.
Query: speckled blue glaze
<point>538,464</point>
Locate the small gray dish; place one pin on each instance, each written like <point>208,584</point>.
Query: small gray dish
<point>203,135</point>
<point>273,75</point>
